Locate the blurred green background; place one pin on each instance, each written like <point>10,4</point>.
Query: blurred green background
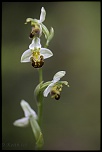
<point>73,122</point>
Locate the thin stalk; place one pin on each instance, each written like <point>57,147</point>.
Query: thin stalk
<point>40,75</point>
<point>40,104</point>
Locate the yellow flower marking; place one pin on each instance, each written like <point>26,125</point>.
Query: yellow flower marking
<point>37,59</point>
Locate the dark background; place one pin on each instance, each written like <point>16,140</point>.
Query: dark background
<point>73,122</point>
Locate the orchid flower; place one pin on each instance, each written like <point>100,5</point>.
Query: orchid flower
<point>32,119</point>
<point>36,24</point>
<point>55,86</point>
<point>28,112</point>
<point>38,27</point>
<point>36,54</point>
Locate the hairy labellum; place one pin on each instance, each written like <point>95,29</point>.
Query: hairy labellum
<point>34,32</point>
<point>38,64</point>
<point>55,94</point>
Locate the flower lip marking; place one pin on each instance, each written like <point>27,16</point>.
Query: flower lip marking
<point>55,91</point>
<point>37,59</point>
<point>37,63</point>
<point>35,31</point>
<point>55,95</point>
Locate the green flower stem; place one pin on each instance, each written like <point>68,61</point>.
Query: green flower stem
<point>46,45</point>
<point>40,104</point>
<point>40,75</point>
<point>40,101</point>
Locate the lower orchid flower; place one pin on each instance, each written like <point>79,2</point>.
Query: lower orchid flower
<point>32,119</point>
<point>28,112</point>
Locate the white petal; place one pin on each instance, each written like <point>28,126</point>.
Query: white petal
<point>58,75</point>
<point>21,122</point>
<point>42,15</point>
<point>35,44</point>
<point>26,56</point>
<point>28,111</point>
<point>46,53</point>
<point>47,90</point>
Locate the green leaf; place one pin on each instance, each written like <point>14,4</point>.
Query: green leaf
<point>51,34</point>
<point>39,89</point>
<point>45,31</point>
<point>44,85</point>
<point>37,132</point>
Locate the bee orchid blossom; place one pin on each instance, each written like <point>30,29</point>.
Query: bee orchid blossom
<point>55,87</point>
<point>37,24</point>
<point>28,112</point>
<point>35,54</point>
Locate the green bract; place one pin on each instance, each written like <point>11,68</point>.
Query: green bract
<point>39,89</point>
<point>50,36</point>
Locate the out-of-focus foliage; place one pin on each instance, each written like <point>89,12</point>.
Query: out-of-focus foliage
<point>73,122</point>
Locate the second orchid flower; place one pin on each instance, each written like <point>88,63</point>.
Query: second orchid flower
<point>36,54</point>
